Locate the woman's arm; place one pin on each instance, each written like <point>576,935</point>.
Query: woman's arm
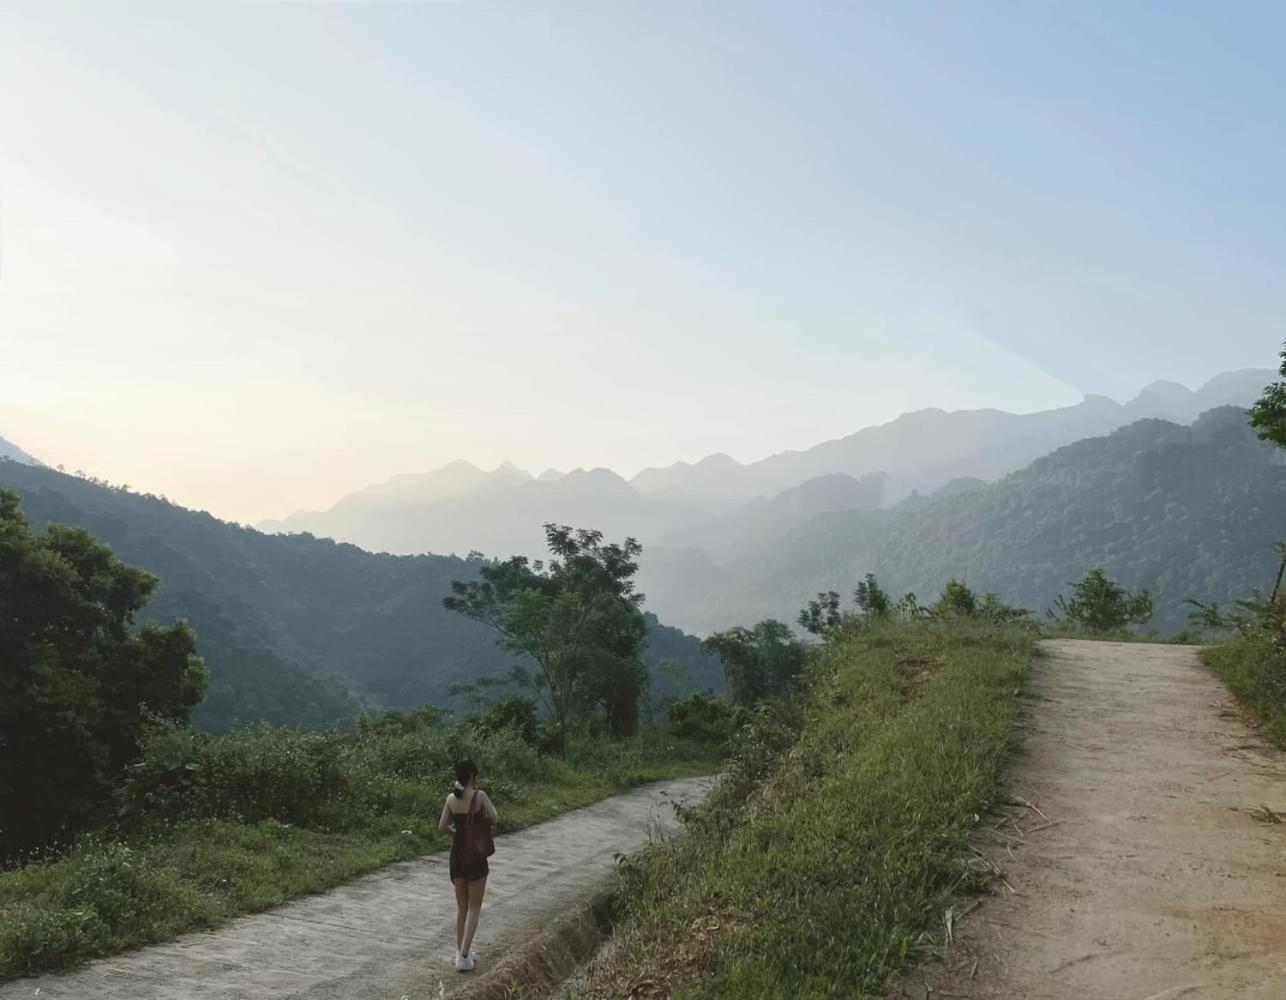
<point>490,809</point>
<point>444,821</point>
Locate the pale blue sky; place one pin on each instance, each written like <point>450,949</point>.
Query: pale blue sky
<point>256,255</point>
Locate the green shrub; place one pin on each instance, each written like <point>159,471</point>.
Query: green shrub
<point>253,774</point>
<point>703,717</point>
<point>517,712</point>
<point>956,600</point>
<point>1103,606</point>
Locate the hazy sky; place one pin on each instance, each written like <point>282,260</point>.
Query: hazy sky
<point>256,255</point>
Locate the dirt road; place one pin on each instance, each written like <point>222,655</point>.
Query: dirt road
<point>388,935</point>
<point>1157,874</point>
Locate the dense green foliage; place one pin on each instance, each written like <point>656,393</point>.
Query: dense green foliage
<point>703,717</point>
<point>957,601</point>
<point>824,615</point>
<point>577,619</point>
<point>1100,605</point>
<point>213,826</point>
<point>1268,413</point>
<point>77,683</point>
<point>759,662</point>
<point>829,847</point>
<point>1184,512</point>
<point>1253,664</point>
<point>297,630</point>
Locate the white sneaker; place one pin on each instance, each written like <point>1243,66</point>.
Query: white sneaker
<point>463,963</point>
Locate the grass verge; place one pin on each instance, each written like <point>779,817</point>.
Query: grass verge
<point>1254,669</point>
<point>837,833</point>
<point>112,893</point>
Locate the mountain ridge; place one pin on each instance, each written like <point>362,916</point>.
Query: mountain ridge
<point>1185,510</point>
<point>297,629</point>
<point>877,447</point>
<point>709,504</point>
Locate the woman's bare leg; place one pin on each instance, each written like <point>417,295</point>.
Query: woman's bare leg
<point>461,911</point>
<point>477,889</point>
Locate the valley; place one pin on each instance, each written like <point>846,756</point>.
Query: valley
<point>691,501</point>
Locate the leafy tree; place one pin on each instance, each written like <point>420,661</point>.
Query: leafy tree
<point>822,615</point>
<point>517,712</point>
<point>994,609</point>
<point>79,685</point>
<point>760,662</point>
<point>677,677</point>
<point>484,691</point>
<point>956,600</point>
<point>702,716</point>
<point>578,619</point>
<point>1102,605</point>
<point>909,607</point>
<point>872,599</point>
<point>1268,413</point>
<point>1268,417</point>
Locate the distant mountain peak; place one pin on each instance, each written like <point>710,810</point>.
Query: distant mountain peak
<point>1165,389</point>
<point>459,465</point>
<point>599,472</point>
<point>718,460</point>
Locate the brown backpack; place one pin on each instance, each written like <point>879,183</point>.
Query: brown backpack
<point>478,845</point>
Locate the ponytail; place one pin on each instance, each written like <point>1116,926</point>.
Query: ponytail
<point>465,771</point>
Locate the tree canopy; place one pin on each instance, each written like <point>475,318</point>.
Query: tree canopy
<point>78,682</point>
<point>760,662</point>
<point>1268,413</point>
<point>1103,605</point>
<point>577,618</point>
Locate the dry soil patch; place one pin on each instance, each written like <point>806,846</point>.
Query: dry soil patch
<point>1161,874</point>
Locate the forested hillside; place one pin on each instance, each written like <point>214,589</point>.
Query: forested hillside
<point>718,507</point>
<point>297,629</point>
<point>1183,511</point>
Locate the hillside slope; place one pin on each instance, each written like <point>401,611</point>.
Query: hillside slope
<point>12,453</point>
<point>266,606</point>
<point>1184,511</point>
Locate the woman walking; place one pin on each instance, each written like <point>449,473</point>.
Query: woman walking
<point>467,805</point>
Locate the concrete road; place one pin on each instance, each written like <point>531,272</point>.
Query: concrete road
<point>389,934</point>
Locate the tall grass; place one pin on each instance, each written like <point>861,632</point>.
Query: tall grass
<point>1254,668</point>
<point>211,827</point>
<point>832,843</point>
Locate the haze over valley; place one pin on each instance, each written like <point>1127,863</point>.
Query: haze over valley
<point>482,478</point>
<point>710,529</point>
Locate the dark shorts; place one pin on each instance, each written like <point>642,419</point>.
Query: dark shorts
<point>470,871</point>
